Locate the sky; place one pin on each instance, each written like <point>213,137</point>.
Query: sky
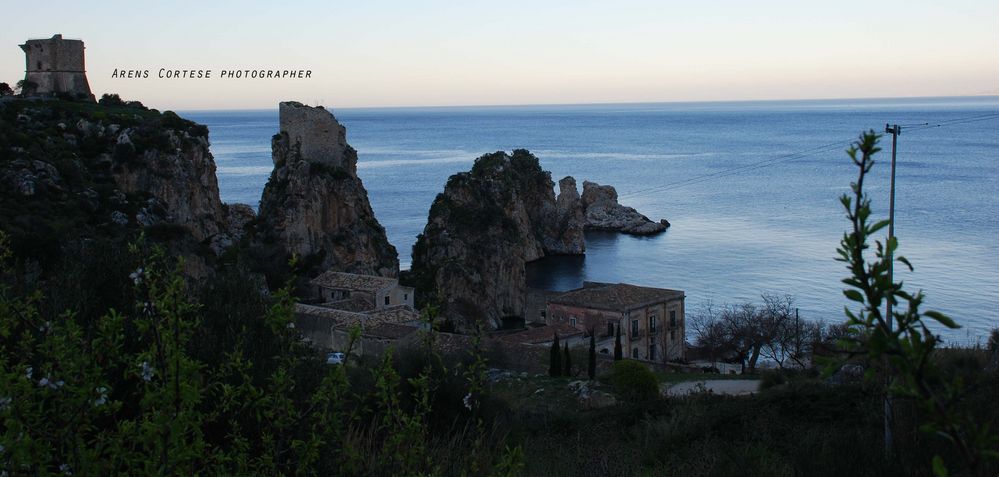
<point>382,53</point>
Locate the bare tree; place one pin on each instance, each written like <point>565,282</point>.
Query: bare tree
<point>746,332</point>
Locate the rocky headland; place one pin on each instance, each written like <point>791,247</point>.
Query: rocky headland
<point>484,228</point>
<point>77,173</point>
<point>314,205</point>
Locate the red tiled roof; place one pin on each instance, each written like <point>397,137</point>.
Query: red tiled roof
<point>615,297</point>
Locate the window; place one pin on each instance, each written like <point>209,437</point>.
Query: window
<point>572,321</point>
<point>386,299</point>
<point>672,318</point>
<point>672,335</point>
<point>39,65</point>
<point>652,323</point>
<point>405,296</point>
<point>634,353</point>
<point>544,314</point>
<point>652,351</point>
<point>610,329</point>
<point>634,328</point>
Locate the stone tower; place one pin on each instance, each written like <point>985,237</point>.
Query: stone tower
<point>55,66</point>
<point>315,135</point>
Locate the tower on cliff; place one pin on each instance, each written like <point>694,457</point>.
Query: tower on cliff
<point>314,135</point>
<point>55,66</point>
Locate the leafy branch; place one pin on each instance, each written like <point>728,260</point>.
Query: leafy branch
<point>903,340</point>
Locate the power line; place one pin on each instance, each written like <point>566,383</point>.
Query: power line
<point>742,168</point>
<point>951,122</point>
<point>797,155</point>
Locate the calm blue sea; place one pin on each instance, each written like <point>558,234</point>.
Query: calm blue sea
<point>751,189</point>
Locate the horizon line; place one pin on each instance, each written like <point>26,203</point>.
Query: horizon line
<point>610,103</point>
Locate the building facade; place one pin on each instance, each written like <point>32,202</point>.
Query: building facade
<point>351,291</point>
<point>55,66</point>
<point>651,320</point>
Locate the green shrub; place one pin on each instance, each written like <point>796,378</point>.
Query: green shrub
<point>634,381</point>
<point>771,378</point>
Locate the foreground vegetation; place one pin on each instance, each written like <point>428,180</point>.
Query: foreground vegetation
<point>116,364</point>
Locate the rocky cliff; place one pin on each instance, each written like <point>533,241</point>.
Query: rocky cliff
<point>483,229</point>
<point>314,205</point>
<point>83,171</point>
<point>603,212</point>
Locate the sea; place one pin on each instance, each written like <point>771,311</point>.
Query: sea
<point>751,189</point>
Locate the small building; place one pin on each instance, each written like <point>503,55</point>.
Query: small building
<point>354,292</point>
<point>651,320</point>
<point>55,66</point>
<point>330,329</point>
<point>381,307</point>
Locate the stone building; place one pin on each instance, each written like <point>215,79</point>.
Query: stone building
<point>651,320</point>
<point>55,66</point>
<point>354,292</point>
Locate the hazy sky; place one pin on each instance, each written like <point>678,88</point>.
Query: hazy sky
<point>407,53</point>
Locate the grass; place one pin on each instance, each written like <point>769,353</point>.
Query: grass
<point>804,427</point>
<point>673,378</point>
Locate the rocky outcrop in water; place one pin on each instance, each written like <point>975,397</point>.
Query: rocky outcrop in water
<point>603,212</point>
<point>483,229</point>
<point>314,205</point>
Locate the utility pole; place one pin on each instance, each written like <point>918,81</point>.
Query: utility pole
<point>894,130</point>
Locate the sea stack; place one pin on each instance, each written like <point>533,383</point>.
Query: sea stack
<point>603,212</point>
<point>314,205</point>
<point>483,229</point>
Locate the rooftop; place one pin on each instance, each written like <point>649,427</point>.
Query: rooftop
<point>393,314</point>
<point>392,331</point>
<point>542,334</point>
<point>353,281</point>
<point>316,316</point>
<point>615,297</point>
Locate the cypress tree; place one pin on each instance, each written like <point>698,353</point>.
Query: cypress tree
<point>566,361</point>
<point>555,366</point>
<point>618,355</point>
<point>592,368</point>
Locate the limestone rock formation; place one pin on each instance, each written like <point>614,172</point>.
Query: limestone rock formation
<point>568,236</point>
<point>180,178</point>
<point>83,172</point>
<point>483,229</point>
<point>603,212</point>
<point>314,205</point>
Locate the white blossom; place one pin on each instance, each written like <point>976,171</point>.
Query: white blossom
<point>50,383</point>
<point>136,276</point>
<point>467,400</point>
<point>66,469</point>
<point>102,397</point>
<point>28,372</point>
<point>5,403</point>
<point>147,371</point>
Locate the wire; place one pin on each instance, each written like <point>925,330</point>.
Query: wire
<point>796,155</point>
<point>952,122</point>
<point>734,170</point>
